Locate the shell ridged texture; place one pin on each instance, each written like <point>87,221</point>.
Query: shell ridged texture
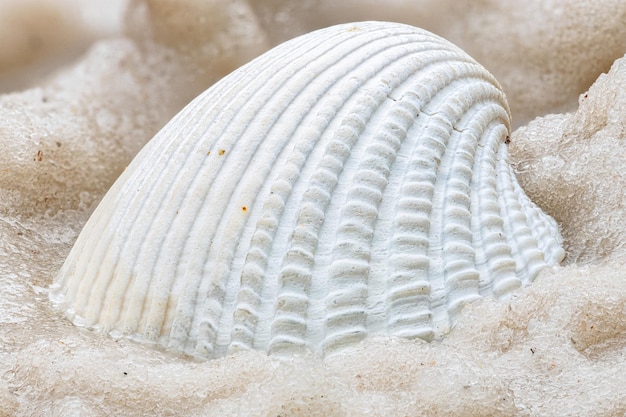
<point>351,181</point>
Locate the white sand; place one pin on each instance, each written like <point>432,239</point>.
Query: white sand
<point>556,349</point>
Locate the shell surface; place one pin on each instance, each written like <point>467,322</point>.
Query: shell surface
<point>351,181</point>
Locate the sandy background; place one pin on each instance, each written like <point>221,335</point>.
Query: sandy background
<point>86,83</point>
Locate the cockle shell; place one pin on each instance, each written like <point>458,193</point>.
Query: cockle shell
<point>351,181</point>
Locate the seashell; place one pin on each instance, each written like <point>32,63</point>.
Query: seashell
<point>351,181</point>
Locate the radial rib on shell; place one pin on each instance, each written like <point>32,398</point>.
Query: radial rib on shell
<point>351,181</point>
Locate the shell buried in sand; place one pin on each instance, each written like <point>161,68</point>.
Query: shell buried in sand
<point>351,181</point>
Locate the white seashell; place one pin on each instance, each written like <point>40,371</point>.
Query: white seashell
<point>351,181</point>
